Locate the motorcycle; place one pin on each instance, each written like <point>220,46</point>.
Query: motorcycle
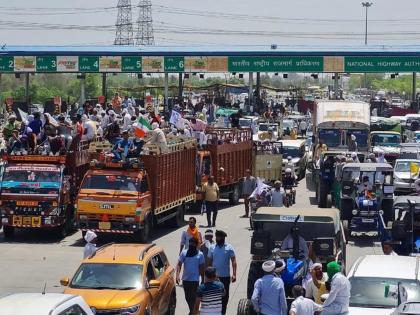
<point>289,196</point>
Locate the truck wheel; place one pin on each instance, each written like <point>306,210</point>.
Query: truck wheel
<point>143,234</point>
<point>178,220</point>
<point>323,195</point>
<point>234,196</point>
<point>255,272</point>
<point>245,307</point>
<point>172,304</point>
<point>9,231</point>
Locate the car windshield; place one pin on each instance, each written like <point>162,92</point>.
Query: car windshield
<point>110,182</point>
<point>288,124</point>
<point>266,127</point>
<point>404,166</point>
<point>386,139</point>
<point>370,292</point>
<point>245,122</point>
<point>330,137</point>
<point>290,151</point>
<point>108,276</point>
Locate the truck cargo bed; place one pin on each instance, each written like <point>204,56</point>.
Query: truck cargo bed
<point>172,178</point>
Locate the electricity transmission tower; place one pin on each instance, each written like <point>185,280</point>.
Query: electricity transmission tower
<point>124,24</point>
<point>144,34</point>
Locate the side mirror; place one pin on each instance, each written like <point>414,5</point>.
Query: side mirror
<point>65,281</point>
<point>154,284</point>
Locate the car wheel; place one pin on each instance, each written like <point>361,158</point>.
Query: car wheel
<point>245,307</point>
<point>178,220</point>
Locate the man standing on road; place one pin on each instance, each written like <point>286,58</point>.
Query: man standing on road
<point>269,297</point>
<point>221,255</point>
<point>338,300</point>
<point>211,198</point>
<point>249,185</point>
<point>191,232</point>
<point>207,244</point>
<point>388,248</point>
<point>209,295</point>
<point>302,305</point>
<point>193,261</point>
<point>303,125</point>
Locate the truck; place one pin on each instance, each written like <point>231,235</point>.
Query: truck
<point>133,196</point>
<point>386,136</point>
<point>227,155</point>
<point>334,122</point>
<point>39,191</point>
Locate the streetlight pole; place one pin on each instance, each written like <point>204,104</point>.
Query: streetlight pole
<point>367,5</point>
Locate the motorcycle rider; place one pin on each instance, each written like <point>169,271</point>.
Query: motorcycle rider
<point>290,165</point>
<point>289,182</point>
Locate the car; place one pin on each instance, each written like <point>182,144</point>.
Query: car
<point>295,149</point>
<point>408,308</point>
<point>410,151</point>
<point>267,132</point>
<point>371,275</point>
<point>44,304</point>
<point>132,279</point>
<point>403,180</point>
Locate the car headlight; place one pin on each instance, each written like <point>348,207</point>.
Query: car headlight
<point>130,310</point>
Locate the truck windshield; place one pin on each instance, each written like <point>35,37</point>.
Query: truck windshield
<point>370,292</point>
<point>110,182</point>
<point>24,177</point>
<point>386,139</point>
<point>291,151</point>
<point>330,137</point>
<point>361,137</point>
<point>267,127</point>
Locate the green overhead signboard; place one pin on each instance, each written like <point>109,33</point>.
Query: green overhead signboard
<point>7,64</point>
<point>275,64</point>
<point>131,64</point>
<point>46,64</point>
<point>89,64</point>
<point>381,64</point>
<point>174,64</point>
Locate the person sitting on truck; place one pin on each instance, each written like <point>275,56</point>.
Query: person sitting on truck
<point>158,137</point>
<point>14,143</point>
<point>123,148</point>
<point>234,119</point>
<point>199,127</point>
<point>89,129</point>
<point>64,130</point>
<point>113,129</point>
<point>287,243</point>
<point>11,125</point>
<point>352,144</point>
<point>24,134</point>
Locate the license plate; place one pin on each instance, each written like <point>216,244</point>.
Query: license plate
<point>104,225</point>
<point>36,221</point>
<point>368,220</point>
<point>27,220</point>
<point>17,220</point>
<point>26,203</point>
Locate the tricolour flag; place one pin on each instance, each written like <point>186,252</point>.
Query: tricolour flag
<point>142,128</point>
<point>175,117</point>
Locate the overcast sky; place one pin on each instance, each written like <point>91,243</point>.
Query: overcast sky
<point>195,22</point>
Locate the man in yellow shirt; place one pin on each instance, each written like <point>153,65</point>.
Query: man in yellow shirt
<point>211,199</point>
<point>316,286</point>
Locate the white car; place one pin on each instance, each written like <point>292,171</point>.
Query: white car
<point>370,277</point>
<point>43,304</point>
<point>403,181</point>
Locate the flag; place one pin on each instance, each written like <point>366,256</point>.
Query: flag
<point>23,115</point>
<point>414,168</point>
<point>175,117</point>
<point>259,189</point>
<point>142,127</point>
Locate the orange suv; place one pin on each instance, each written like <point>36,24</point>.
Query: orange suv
<point>130,279</point>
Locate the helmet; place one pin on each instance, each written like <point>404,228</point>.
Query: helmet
<point>289,158</point>
<point>288,171</point>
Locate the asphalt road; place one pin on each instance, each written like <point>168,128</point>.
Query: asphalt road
<point>33,259</point>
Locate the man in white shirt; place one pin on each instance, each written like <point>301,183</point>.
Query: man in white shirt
<point>388,248</point>
<point>302,305</point>
<point>277,195</point>
<point>303,125</point>
<point>126,119</point>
